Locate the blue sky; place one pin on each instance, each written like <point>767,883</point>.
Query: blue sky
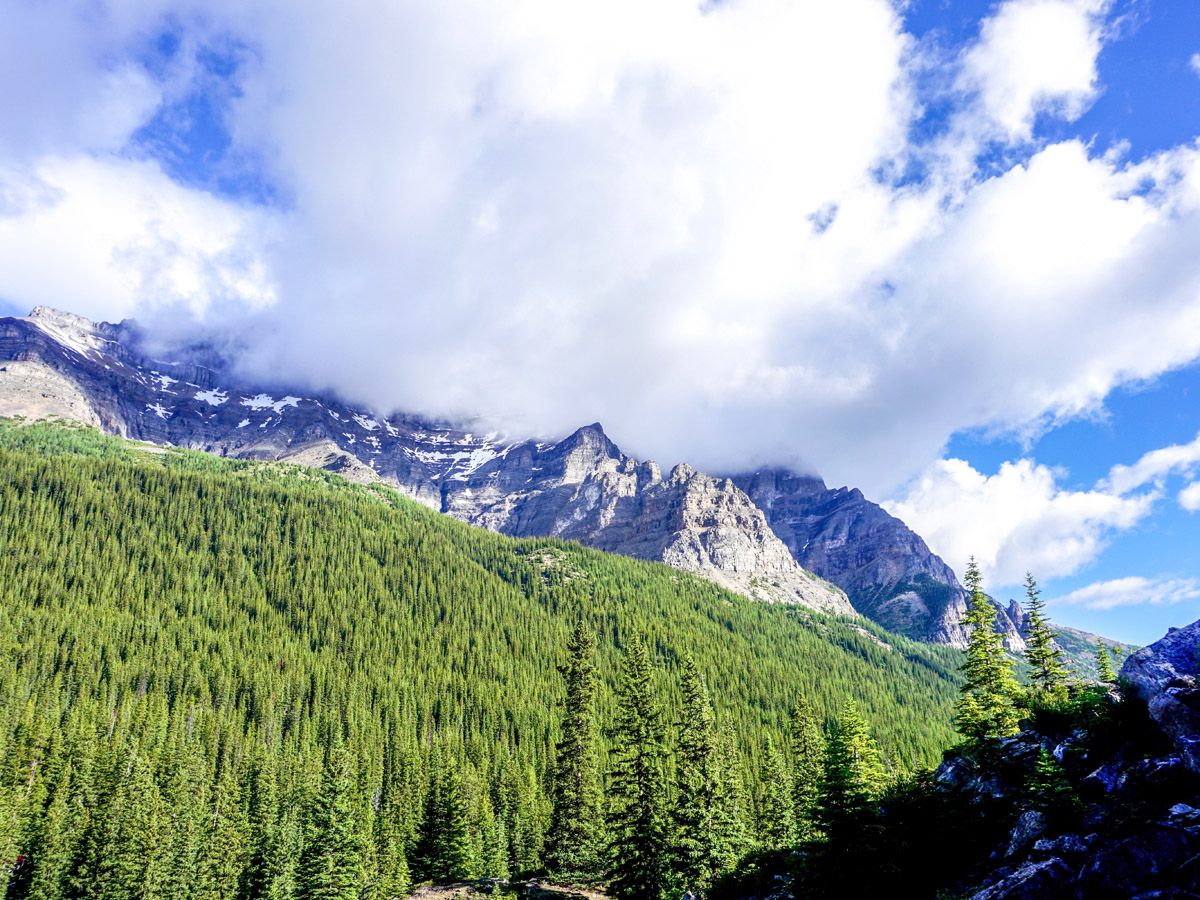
<point>944,251</point>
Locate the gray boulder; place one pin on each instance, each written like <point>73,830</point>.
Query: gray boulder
<point>1043,880</point>
<point>1164,676</point>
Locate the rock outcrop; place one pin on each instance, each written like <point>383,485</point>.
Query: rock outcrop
<point>1163,675</point>
<point>581,488</point>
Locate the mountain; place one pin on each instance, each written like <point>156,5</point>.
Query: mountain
<point>772,535</point>
<point>580,488</point>
<point>886,569</point>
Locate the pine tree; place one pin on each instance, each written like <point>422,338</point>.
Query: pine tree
<point>1104,665</point>
<point>56,843</point>
<point>808,765</point>
<point>226,853</point>
<point>130,865</point>
<point>1047,669</point>
<point>330,865</point>
<point>493,857</point>
<point>638,853</point>
<point>264,804</point>
<point>986,706</point>
<point>730,826</point>
<point>574,844</point>
<point>853,777</point>
<point>1049,789</point>
<point>776,819</point>
<point>446,850</point>
<point>696,854</point>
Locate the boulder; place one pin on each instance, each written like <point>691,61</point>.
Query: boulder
<point>1045,880</point>
<point>1030,826</point>
<point>1140,862</point>
<point>1065,846</point>
<point>1164,676</point>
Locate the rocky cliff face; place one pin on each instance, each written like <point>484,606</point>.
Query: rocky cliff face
<point>886,569</point>
<point>581,488</point>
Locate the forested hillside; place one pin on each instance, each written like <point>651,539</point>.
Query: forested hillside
<point>208,668</point>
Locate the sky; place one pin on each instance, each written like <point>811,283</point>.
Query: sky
<point>942,251</point>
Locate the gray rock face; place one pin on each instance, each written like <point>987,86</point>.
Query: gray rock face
<point>1164,676</point>
<point>886,568</point>
<point>581,488</point>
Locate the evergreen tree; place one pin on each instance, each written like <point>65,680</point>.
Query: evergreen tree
<point>574,844</point>
<point>227,852</point>
<point>493,856</point>
<point>730,827</point>
<point>1104,665</point>
<point>696,854</point>
<point>129,865</point>
<point>776,818</point>
<point>330,865</point>
<point>853,778</point>
<point>1047,669</point>
<point>986,706</point>
<point>447,852</point>
<point>808,765</point>
<point>56,843</point>
<point>637,827</point>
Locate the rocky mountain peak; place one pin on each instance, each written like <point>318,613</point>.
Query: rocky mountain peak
<point>886,569</point>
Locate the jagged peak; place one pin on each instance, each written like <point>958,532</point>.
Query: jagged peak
<point>73,331</point>
<point>60,317</point>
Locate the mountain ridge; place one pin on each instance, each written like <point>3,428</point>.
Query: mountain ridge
<point>773,534</point>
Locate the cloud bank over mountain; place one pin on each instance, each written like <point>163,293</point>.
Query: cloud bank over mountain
<point>736,232</point>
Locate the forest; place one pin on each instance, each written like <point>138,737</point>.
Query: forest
<point>219,678</point>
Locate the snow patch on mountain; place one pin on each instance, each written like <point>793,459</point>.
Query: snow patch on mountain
<point>266,401</point>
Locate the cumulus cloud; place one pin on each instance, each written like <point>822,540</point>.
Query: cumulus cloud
<point>1132,591</point>
<point>693,222</point>
<point>107,237</point>
<point>1018,520</point>
<point>1194,62</point>
<point>1189,497</point>
<point>1035,56</point>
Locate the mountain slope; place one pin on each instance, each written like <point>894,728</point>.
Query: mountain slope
<point>169,560</point>
<point>582,487</point>
<point>886,569</point>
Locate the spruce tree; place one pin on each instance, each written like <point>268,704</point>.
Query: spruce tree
<point>55,845</point>
<point>986,706</point>
<point>808,765</point>
<point>853,777</point>
<point>776,817</point>
<point>730,821</point>
<point>1104,665</point>
<point>330,865</point>
<point>637,826</point>
<point>129,866</point>
<point>1047,669</point>
<point>447,852</point>
<point>696,853</point>
<point>574,844</point>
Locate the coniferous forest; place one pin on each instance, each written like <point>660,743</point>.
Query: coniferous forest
<point>235,679</point>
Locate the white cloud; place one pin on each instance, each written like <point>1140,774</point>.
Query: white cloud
<point>1035,56</point>
<point>681,223</point>
<point>1189,497</point>
<point>1155,465</point>
<point>1132,591</point>
<point>1017,520</point>
<point>1194,62</point>
<point>111,237</point>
